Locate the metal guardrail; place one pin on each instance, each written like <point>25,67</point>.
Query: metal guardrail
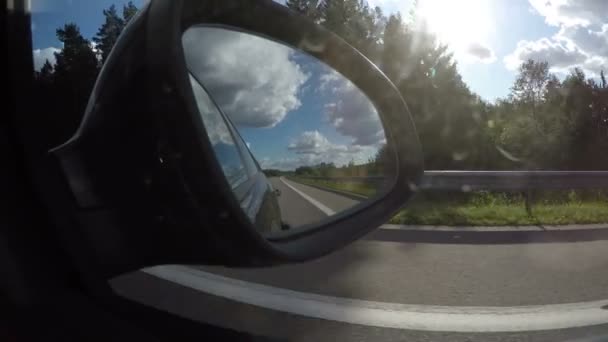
<point>513,180</point>
<point>524,181</point>
<point>498,180</point>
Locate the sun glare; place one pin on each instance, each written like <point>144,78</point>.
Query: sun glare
<point>457,23</point>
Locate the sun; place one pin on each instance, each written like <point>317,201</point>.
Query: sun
<point>457,23</point>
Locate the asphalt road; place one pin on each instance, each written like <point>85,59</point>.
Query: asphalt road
<point>297,211</point>
<point>376,269</point>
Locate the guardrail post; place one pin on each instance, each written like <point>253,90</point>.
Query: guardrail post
<point>528,201</point>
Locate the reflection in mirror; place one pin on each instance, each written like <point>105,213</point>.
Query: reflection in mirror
<point>297,141</point>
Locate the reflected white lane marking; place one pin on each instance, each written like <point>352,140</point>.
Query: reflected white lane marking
<point>313,201</point>
<point>390,315</point>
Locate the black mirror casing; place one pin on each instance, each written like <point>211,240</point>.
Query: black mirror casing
<point>147,187</point>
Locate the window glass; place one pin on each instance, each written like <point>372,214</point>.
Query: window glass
<point>222,140</point>
<point>252,167</point>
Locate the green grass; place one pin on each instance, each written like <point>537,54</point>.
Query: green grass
<point>490,209</point>
<point>469,214</point>
<point>356,188</point>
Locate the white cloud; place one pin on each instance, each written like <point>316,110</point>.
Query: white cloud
<point>313,148</point>
<point>481,53</point>
<point>41,55</point>
<point>351,113</point>
<point>591,41</point>
<point>94,48</point>
<point>313,142</point>
<point>557,54</point>
<point>572,12</point>
<point>252,79</point>
<point>310,142</point>
<point>582,40</point>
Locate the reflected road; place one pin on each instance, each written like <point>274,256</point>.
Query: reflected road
<point>296,210</point>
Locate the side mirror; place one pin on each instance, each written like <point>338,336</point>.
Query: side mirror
<point>161,171</point>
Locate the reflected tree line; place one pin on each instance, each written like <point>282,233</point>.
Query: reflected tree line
<point>373,167</point>
<point>544,123</point>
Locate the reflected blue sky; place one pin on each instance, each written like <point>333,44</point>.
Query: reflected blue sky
<point>290,108</point>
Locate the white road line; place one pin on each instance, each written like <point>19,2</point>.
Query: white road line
<point>319,205</point>
<point>390,315</point>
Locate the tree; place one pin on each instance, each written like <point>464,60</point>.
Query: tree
<point>128,11</point>
<point>530,84</point>
<point>355,22</point>
<point>304,171</point>
<point>450,119</point>
<point>110,30</point>
<point>74,74</point>
<point>45,75</point>
<point>585,143</point>
<point>308,8</point>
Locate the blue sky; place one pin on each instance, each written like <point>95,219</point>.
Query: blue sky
<point>48,15</point>
<point>489,39</point>
<point>290,108</point>
<point>504,23</point>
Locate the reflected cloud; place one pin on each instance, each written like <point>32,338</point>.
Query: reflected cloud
<point>313,142</point>
<point>313,148</point>
<point>254,80</point>
<point>294,109</point>
<point>351,113</point>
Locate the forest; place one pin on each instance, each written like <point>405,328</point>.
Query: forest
<point>546,122</point>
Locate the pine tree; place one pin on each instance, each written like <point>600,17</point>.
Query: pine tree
<point>46,72</point>
<point>108,32</point>
<point>308,8</point>
<point>75,72</point>
<point>128,11</point>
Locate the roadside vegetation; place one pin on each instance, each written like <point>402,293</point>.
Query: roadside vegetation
<point>547,121</point>
<point>484,208</point>
<point>500,209</point>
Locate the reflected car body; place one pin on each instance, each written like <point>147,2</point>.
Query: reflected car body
<point>253,191</point>
<point>257,196</point>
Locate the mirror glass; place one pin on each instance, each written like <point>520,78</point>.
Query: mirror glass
<point>297,141</point>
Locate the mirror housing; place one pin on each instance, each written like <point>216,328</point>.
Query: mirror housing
<point>145,181</point>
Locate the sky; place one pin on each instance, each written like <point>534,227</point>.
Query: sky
<point>290,108</point>
<point>490,39</point>
<point>292,123</point>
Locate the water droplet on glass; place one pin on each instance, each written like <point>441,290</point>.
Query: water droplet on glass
<point>476,116</point>
<point>458,156</point>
